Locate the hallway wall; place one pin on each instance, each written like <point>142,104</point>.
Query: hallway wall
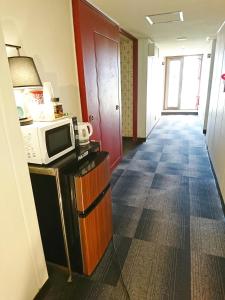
<point>150,88</point>
<point>155,91</point>
<point>204,85</point>
<point>22,263</point>
<point>216,120</point>
<point>44,29</point>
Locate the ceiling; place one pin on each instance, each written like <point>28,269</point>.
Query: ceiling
<point>202,19</point>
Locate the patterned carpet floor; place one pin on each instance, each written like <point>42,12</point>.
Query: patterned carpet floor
<point>169,226</point>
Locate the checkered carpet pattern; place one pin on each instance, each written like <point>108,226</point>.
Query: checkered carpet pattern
<point>169,226</point>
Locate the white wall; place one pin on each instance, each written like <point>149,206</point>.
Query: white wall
<point>216,120</point>
<point>142,86</point>
<point>204,86</point>
<point>150,89</point>
<point>44,30</point>
<point>209,84</point>
<point>155,91</point>
<point>22,264</point>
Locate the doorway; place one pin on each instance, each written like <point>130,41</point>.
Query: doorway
<point>183,74</point>
<point>128,72</point>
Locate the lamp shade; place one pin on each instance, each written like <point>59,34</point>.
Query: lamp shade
<point>23,72</point>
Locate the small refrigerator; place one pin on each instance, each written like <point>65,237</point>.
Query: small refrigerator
<point>87,210</point>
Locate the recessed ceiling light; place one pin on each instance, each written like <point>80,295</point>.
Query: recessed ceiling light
<point>175,16</point>
<point>182,38</point>
<point>208,39</point>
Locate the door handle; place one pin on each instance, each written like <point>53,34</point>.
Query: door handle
<point>117,107</point>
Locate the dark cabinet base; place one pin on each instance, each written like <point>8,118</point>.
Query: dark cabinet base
<point>88,234</point>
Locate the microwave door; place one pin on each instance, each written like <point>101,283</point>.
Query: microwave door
<point>58,141</point>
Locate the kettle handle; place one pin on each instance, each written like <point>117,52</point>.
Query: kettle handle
<point>90,128</point>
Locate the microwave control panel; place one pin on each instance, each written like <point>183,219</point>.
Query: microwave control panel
<point>31,146</point>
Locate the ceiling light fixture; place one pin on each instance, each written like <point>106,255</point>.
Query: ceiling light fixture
<point>149,20</point>
<point>182,38</point>
<point>169,17</point>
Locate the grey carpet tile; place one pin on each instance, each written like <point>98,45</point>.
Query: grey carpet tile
<point>108,270</point>
<point>125,219</point>
<point>163,229</point>
<point>207,277</point>
<point>143,165</point>
<point>178,158</point>
<point>198,151</point>
<point>170,168</point>
<point>85,289</point>
<point>206,208</point>
<point>130,154</point>
<point>164,181</point>
<point>115,176</point>
<point>82,288</point>
<point>175,149</point>
<point>173,200</point>
<point>204,189</point>
<point>147,155</point>
<point>144,178</point>
<point>124,164</point>
<point>199,166</point>
<point>197,160</point>
<point>156,272</point>
<point>207,236</point>
<point>131,188</point>
<point>149,147</point>
<point>198,173</point>
<point>134,201</point>
<point>136,179</point>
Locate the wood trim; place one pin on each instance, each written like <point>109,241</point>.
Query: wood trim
<point>79,55</point>
<point>135,79</point>
<point>127,34</point>
<point>99,11</point>
<point>89,186</point>
<point>96,233</point>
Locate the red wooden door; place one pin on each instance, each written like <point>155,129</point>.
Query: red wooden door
<point>97,47</point>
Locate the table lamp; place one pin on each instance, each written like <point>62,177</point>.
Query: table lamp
<point>24,75</point>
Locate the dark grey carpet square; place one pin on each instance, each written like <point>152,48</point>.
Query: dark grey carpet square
<point>163,181</point>
<point>147,155</point>
<point>125,219</point>
<point>108,270</point>
<point>208,273</point>
<point>163,228</point>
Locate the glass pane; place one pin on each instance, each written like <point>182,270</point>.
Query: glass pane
<point>190,82</point>
<point>173,83</point>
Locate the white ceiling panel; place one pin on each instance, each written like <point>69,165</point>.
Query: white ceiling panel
<point>202,19</point>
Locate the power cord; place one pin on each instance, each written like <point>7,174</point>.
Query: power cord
<point>120,269</point>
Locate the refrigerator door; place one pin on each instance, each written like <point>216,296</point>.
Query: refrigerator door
<point>96,232</point>
<point>90,185</point>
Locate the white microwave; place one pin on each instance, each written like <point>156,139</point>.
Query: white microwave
<point>46,141</point>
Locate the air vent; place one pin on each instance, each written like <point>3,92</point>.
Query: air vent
<point>176,16</point>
